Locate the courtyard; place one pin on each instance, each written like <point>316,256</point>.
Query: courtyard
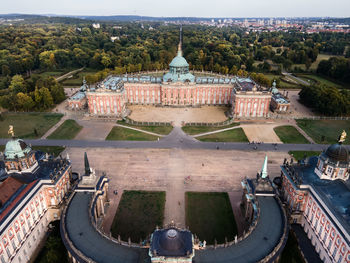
<point>208,114</point>
<point>175,171</point>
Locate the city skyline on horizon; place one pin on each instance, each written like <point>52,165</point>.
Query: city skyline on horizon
<point>182,8</point>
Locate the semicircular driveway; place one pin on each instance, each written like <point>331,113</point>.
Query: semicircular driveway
<point>261,242</point>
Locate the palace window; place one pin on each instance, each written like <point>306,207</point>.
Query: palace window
<point>13,244</point>
<point>19,237</point>
<point>334,252</point>
<point>329,244</point>
<point>24,230</point>
<point>2,259</point>
<point>329,170</point>
<point>341,172</point>
<point>340,259</point>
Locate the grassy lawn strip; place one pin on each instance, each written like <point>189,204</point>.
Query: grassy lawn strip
<point>54,249</point>
<point>138,214</point>
<point>28,125</point>
<point>235,135</point>
<point>55,150</point>
<point>163,130</point>
<point>299,155</point>
<point>319,79</point>
<point>193,130</point>
<point>289,134</point>
<point>291,252</point>
<point>67,131</point>
<point>124,134</point>
<point>324,131</point>
<point>210,216</point>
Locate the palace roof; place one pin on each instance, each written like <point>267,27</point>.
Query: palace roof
<point>8,188</point>
<point>334,194</point>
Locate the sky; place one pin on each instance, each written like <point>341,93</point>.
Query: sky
<point>193,8</point>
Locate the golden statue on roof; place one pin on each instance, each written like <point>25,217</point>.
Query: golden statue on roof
<point>342,137</point>
<point>11,131</point>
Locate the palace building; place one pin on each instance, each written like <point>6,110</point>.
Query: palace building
<point>179,88</point>
<point>317,193</point>
<point>32,188</point>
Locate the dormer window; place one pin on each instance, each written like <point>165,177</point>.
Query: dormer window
<point>341,172</point>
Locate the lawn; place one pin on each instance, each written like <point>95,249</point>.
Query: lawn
<point>28,125</point>
<point>192,130</point>
<point>324,131</point>
<point>49,74</point>
<point>299,155</point>
<point>319,79</point>
<point>67,131</point>
<point>125,134</point>
<point>210,216</point>
<point>54,249</point>
<point>77,79</point>
<point>55,150</point>
<point>289,134</point>
<point>138,214</point>
<point>235,135</point>
<point>163,130</point>
<point>291,252</point>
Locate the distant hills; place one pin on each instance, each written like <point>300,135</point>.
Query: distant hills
<point>70,19</point>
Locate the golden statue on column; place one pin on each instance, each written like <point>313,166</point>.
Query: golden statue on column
<point>342,137</point>
<point>11,131</point>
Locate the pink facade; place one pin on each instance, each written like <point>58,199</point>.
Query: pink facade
<point>106,103</point>
<point>244,104</point>
<point>251,105</point>
<point>319,224</point>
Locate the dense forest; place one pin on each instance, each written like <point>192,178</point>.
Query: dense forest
<point>24,48</point>
<point>136,46</point>
<point>328,101</point>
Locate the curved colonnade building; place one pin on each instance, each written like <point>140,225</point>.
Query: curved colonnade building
<point>263,241</point>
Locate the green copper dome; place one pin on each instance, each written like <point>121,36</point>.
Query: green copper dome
<point>179,70</point>
<point>16,148</point>
<point>179,61</point>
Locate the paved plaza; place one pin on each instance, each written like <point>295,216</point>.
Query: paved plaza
<point>175,171</point>
<point>177,115</point>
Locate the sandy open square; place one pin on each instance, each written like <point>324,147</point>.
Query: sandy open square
<point>261,133</point>
<point>177,115</point>
<point>175,171</point>
<point>94,130</point>
<point>296,107</point>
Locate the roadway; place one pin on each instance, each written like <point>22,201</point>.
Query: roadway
<point>177,139</point>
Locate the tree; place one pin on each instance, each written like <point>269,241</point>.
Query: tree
<point>24,102</point>
<point>5,70</point>
<point>57,93</point>
<point>47,100</point>
<point>17,84</point>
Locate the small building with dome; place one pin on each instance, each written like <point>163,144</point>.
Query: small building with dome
<point>279,102</point>
<point>334,163</point>
<point>18,156</point>
<point>316,191</point>
<point>171,245</point>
